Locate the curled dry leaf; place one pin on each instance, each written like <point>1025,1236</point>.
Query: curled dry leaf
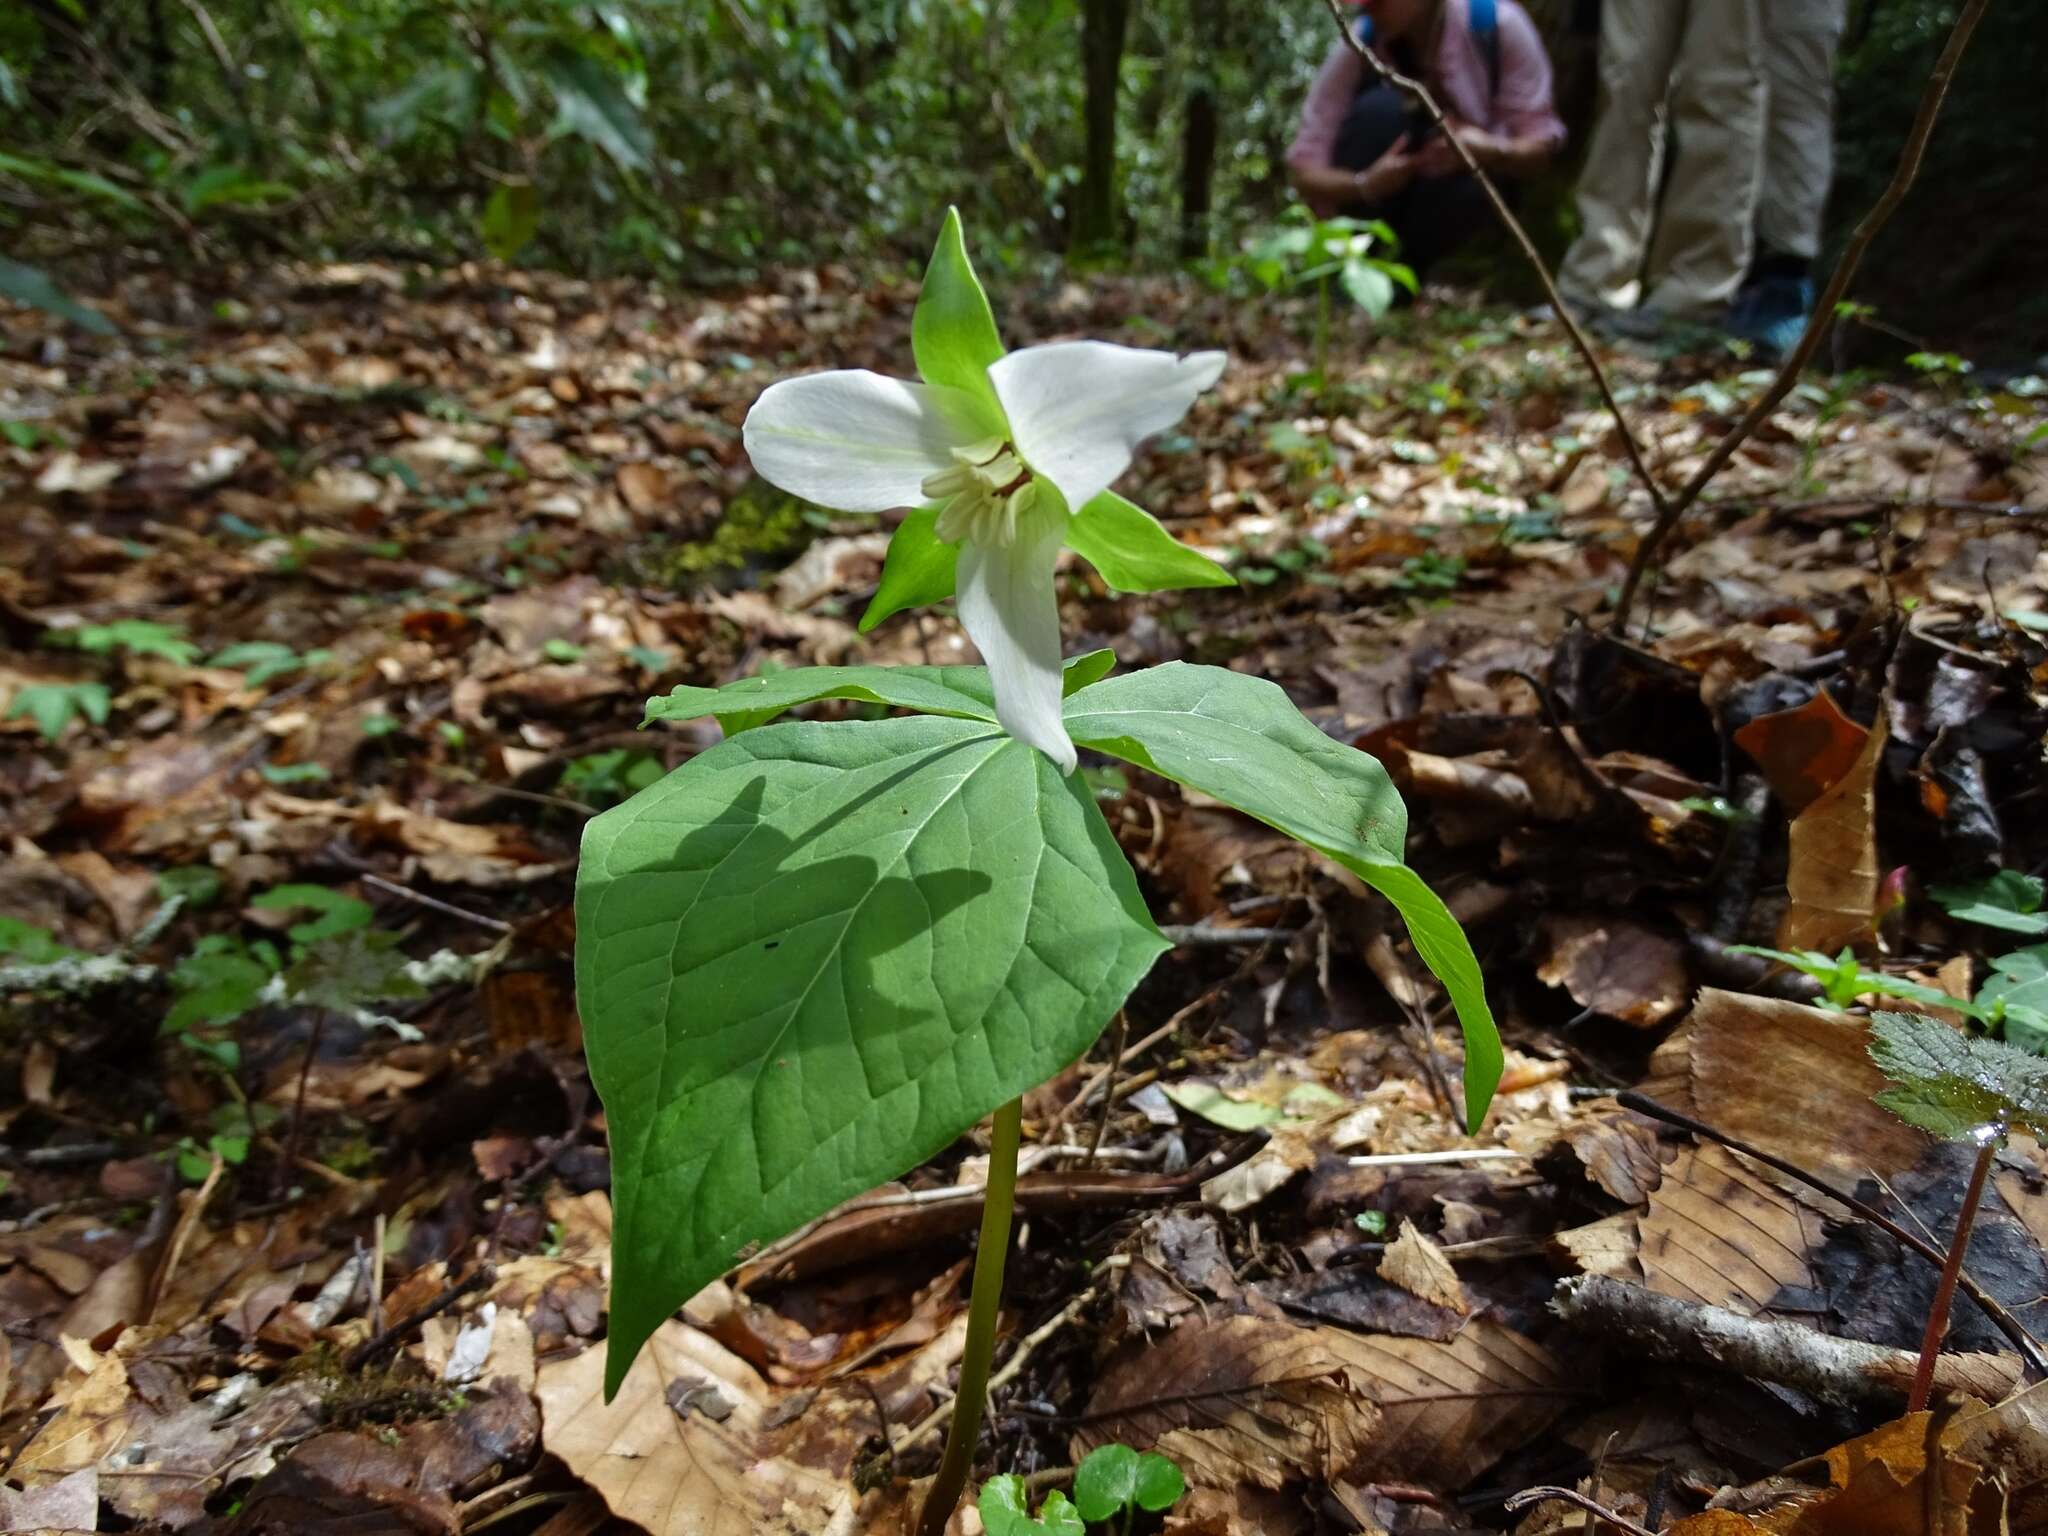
<point>1832,877</point>
<point>1419,1267</point>
<point>1615,967</point>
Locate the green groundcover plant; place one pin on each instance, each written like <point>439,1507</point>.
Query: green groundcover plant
<point>816,954</point>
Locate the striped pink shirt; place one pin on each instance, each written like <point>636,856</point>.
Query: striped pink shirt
<point>1457,78</point>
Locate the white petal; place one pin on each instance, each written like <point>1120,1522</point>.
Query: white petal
<point>852,440</point>
<point>1011,613</point>
<point>1079,409</point>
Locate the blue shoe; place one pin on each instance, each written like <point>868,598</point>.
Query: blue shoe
<point>1772,313</point>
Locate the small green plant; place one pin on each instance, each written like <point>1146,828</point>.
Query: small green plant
<point>606,778</point>
<point>1956,1088</point>
<point>294,773</point>
<point>1430,574</point>
<point>1114,1482</point>
<point>129,637</point>
<point>2004,899</point>
<point>1844,979</point>
<point>1006,1511</point>
<point>1322,251</point>
<point>53,706</point>
<point>263,661</point>
<point>30,945</point>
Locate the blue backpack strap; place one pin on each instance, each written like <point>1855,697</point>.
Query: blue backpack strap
<point>1485,18</point>
<point>1362,30</point>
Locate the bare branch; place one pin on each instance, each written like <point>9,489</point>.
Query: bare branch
<point>1514,227</point>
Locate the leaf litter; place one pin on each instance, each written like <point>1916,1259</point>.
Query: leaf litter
<point>362,594</point>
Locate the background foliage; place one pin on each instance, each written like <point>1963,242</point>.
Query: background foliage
<point>700,140</point>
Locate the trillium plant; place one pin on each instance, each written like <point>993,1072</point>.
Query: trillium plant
<point>817,953</point>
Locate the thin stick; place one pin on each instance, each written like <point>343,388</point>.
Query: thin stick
<point>1945,1293</point>
<point>1880,214</point>
<point>2028,1346</point>
<point>291,1141</point>
<point>1507,217</point>
<point>1116,1056</point>
<point>984,1310</point>
<point>1600,1512</point>
<point>371,1348</point>
<point>407,893</point>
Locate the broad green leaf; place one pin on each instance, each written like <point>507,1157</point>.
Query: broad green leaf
<point>1133,552</point>
<point>351,970</point>
<point>78,181</point>
<point>32,286</point>
<point>2017,990</point>
<point>919,568</point>
<point>811,957</point>
<point>1218,1108</point>
<point>962,692</point>
<point>1241,740</point>
<point>511,217</point>
<point>1368,286</point>
<point>218,981</point>
<point>32,945</point>
<point>953,331</point>
<point>591,104</point>
<point>2003,899</point>
<point>1954,1086</point>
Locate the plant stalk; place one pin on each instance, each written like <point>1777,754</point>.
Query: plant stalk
<point>983,1308</point>
<point>1945,1292</point>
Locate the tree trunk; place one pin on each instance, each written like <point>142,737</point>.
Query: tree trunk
<point>1199,129</point>
<point>1103,23</point>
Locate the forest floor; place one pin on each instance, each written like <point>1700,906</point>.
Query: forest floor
<point>332,599</point>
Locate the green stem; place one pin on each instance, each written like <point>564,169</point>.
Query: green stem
<point>983,1308</point>
<point>1322,334</point>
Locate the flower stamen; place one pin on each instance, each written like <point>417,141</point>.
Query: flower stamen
<point>982,494</point>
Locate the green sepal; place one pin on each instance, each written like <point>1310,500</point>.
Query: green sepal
<point>919,568</point>
<point>953,330</point>
<point>1134,553</point>
<point>961,693</point>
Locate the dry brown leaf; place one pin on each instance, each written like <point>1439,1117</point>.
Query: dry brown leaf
<point>1717,1232</point>
<point>1813,1104</point>
<point>1237,1400</point>
<point>1419,1267</point>
<point>643,487</point>
<point>1244,1400</point>
<point>1621,1154</point>
<point>1804,752</point>
<point>739,1471</point>
<point>1605,1247</point>
<point>69,1504</point>
<point>1615,967</point>
<point>1832,874</point>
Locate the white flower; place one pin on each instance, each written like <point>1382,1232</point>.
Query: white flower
<point>1066,420</point>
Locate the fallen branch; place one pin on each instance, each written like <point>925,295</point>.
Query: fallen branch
<point>1789,1354</point>
<point>1513,225</point>
<point>1669,513</point>
<point>2028,1346</point>
<point>1600,1512</point>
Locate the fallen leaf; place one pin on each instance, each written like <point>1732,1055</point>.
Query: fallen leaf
<point>1832,875</point>
<point>1717,1232</point>
<point>1615,967</point>
<point>1804,752</point>
<point>1419,1267</point>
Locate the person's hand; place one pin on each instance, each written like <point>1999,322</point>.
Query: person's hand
<point>1439,158</point>
<point>1387,175</point>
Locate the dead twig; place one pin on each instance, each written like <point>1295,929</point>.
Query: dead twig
<point>1600,1512</point>
<point>407,893</point>
<point>376,1344</point>
<point>2028,1346</point>
<point>1513,225</point>
<point>1669,512</point>
<point>1790,1354</point>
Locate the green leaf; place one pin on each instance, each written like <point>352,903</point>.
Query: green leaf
<point>1241,740</point>
<point>511,218</point>
<point>919,568</point>
<point>55,705</point>
<point>198,885</point>
<point>77,181</point>
<point>1953,1086</point>
<point>219,981</point>
<point>351,969</point>
<point>32,945</point>
<point>1160,1483</point>
<point>1106,1482</point>
<point>293,773</point>
<point>811,957</point>
<point>1133,552</point>
<point>591,104</point>
<point>1003,1512</point>
<point>259,661</point>
<point>953,331</point>
<point>338,913</point>
<point>960,692</point>
<point>2003,899</point>
<point>2019,983</point>
<point>1218,1108</point>
<point>32,286</point>
<point>137,637</point>
<point>1368,286</point>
